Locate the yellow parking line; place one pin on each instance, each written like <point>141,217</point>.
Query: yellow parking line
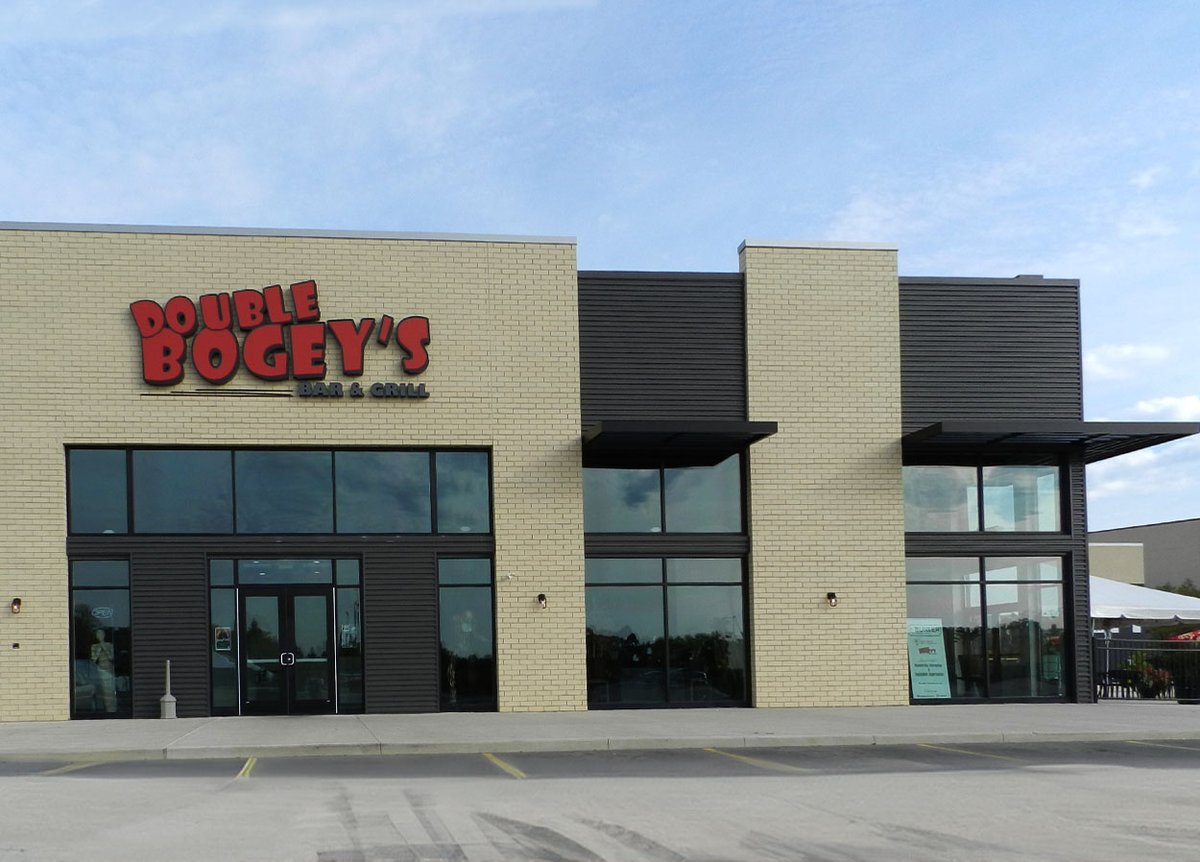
<point>507,767</point>
<point>968,751</point>
<point>70,767</point>
<point>760,763</point>
<point>247,767</point>
<point>1163,745</point>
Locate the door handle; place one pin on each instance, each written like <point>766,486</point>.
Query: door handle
<point>287,659</point>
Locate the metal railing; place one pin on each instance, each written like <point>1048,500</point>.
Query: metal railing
<point>1134,668</point>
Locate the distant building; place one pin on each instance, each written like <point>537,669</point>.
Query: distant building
<point>1170,550</point>
<point>1117,561</point>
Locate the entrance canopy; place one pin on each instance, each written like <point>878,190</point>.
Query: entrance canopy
<point>1096,440</point>
<point>1112,600</point>
<point>675,443</point>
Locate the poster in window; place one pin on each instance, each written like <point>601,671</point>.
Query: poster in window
<point>927,659</point>
<point>222,638</point>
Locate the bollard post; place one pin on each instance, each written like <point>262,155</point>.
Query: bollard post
<point>166,703</point>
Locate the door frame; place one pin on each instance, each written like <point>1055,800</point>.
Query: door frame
<point>284,595</point>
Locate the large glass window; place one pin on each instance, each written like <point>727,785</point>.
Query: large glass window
<point>463,492</point>
<point>100,633</point>
<point>704,499</point>
<point>988,627</point>
<point>97,493</point>
<point>1021,499</point>
<point>683,499</point>
<point>182,491</point>
<point>383,492</point>
<point>665,631</point>
<point>198,491</point>
<point>944,499</point>
<point>284,492</point>
<point>467,669</point>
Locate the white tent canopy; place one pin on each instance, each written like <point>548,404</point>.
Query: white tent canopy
<point>1112,600</point>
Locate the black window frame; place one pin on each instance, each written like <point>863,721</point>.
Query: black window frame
<point>661,467</point>
<point>1061,466</point>
<point>494,704</point>
<point>72,590</point>
<point>1066,651</point>
<point>431,452</point>
<point>664,585</point>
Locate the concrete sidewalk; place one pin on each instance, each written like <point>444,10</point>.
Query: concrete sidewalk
<point>296,736</point>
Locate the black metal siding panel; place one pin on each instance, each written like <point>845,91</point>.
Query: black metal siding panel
<point>976,349</point>
<point>662,346</point>
<point>168,596</point>
<point>665,545</point>
<point>1078,612</point>
<point>400,634</point>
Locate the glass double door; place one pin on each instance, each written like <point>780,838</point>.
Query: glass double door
<point>287,661</point>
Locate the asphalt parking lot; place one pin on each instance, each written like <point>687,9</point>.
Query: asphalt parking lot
<point>930,801</point>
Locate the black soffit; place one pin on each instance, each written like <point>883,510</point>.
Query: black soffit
<point>672,442</point>
<point>1099,440</point>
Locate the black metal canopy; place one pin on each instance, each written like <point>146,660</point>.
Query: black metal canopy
<point>1098,440</point>
<point>678,443</point>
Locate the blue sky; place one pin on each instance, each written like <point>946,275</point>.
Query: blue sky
<point>984,139</point>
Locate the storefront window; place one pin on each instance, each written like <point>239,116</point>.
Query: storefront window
<point>463,492</point>
<point>691,499</point>
<point>467,667</point>
<point>943,499</point>
<point>999,636</point>
<point>383,492</point>
<point>626,651</point>
<point>940,499</point>
<point>100,631</point>
<point>704,499</point>
<point>621,501</point>
<point>284,492</point>
<point>1020,499</point>
<point>182,491</point>
<point>97,493</point>
<point>318,492</point>
<point>655,640</point>
<point>223,650</point>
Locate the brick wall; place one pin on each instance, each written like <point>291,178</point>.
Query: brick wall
<point>826,504</point>
<point>504,373</point>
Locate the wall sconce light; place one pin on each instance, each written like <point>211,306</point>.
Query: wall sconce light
<point>832,599</point>
<point>542,600</point>
<point>16,606</point>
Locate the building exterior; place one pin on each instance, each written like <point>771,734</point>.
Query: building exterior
<point>345,472</point>
<point>1168,552</point>
<point>1118,561</point>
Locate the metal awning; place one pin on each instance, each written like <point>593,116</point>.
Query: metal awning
<point>1098,440</point>
<point>679,443</point>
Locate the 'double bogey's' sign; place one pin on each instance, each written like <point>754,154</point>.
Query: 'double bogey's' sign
<point>272,336</point>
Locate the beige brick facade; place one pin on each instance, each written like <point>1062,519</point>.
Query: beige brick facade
<point>504,374</point>
<point>826,506</point>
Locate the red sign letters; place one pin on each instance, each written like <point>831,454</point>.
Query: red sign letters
<point>283,336</point>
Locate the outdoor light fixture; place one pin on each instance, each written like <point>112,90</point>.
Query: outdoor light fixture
<point>16,606</point>
<point>832,599</point>
<point>542,600</point>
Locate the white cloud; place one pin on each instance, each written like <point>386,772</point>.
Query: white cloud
<point>1122,361</point>
<point>1181,408</point>
<point>1167,469</point>
<point>1143,180</point>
